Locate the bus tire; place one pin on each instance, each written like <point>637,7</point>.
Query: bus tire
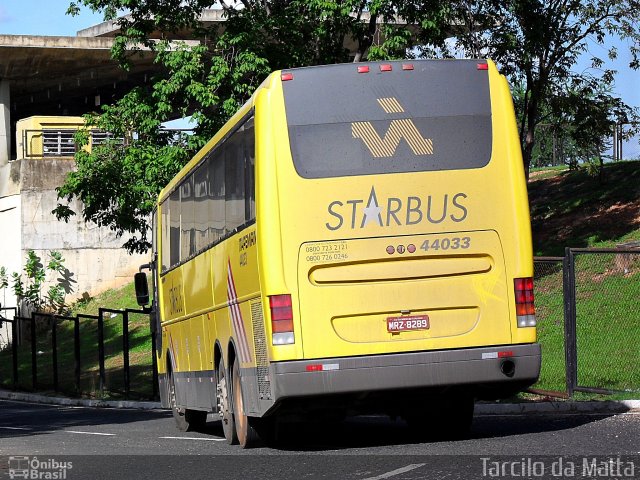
<point>186,420</point>
<point>225,405</point>
<point>247,434</point>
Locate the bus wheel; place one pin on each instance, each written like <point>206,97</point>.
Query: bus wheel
<point>247,435</point>
<point>224,406</point>
<point>186,420</point>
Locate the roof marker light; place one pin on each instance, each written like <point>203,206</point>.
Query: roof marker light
<point>386,67</point>
<point>483,66</point>
<point>286,76</point>
<point>407,66</point>
<point>363,69</point>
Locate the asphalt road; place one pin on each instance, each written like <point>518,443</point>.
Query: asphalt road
<point>111,443</point>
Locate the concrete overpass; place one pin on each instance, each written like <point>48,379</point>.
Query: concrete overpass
<point>52,77</point>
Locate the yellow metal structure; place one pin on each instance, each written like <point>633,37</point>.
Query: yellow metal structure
<point>52,136</point>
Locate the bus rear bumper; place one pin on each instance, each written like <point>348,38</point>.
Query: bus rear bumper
<point>488,372</point>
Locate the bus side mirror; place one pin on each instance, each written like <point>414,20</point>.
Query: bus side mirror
<point>142,288</point>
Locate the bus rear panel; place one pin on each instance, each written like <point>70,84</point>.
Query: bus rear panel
<point>404,231</point>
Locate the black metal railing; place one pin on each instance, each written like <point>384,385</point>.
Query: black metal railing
<point>43,332</point>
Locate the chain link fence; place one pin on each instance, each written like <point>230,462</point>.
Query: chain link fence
<point>603,327</point>
<point>549,298</point>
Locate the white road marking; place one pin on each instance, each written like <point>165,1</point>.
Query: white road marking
<point>92,433</point>
<point>398,471</point>
<point>196,438</point>
<point>16,428</point>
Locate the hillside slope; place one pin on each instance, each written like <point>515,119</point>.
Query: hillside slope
<point>572,209</point>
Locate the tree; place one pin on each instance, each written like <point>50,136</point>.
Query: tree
<point>537,43</point>
<point>119,182</point>
<point>576,123</point>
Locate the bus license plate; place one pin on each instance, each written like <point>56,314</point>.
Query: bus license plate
<point>403,324</point>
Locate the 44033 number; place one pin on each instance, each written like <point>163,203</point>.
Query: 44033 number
<point>453,243</point>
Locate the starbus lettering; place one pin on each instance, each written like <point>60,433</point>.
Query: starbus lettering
<point>396,211</point>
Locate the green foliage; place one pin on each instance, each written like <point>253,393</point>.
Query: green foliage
<point>29,291</point>
<point>118,183</point>
<point>577,124</point>
<point>537,45</point>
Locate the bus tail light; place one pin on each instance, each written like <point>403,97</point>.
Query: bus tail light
<point>281,319</point>
<point>525,308</point>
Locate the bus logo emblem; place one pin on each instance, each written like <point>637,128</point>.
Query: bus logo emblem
<point>385,146</point>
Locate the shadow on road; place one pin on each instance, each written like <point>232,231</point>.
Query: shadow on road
<point>380,431</point>
<point>22,420</point>
<point>27,419</point>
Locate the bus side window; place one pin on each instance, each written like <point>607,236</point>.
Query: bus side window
<point>165,252</point>
<point>234,182</point>
<point>200,186</point>
<point>187,219</point>
<point>250,164</point>
<point>215,165</point>
<point>174,225</point>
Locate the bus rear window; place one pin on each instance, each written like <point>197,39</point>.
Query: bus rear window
<point>344,123</point>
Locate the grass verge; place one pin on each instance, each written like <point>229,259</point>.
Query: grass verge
<point>140,359</point>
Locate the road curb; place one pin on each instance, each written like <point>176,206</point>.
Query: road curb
<point>77,402</point>
<point>608,406</point>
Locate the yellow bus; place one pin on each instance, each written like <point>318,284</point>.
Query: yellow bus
<point>355,239</point>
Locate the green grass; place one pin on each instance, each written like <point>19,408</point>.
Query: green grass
<point>140,360</point>
<point>573,209</point>
<point>607,327</point>
<point>542,173</point>
<point>119,298</point>
<point>550,316</point>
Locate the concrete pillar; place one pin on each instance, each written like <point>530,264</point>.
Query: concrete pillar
<point>5,122</point>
